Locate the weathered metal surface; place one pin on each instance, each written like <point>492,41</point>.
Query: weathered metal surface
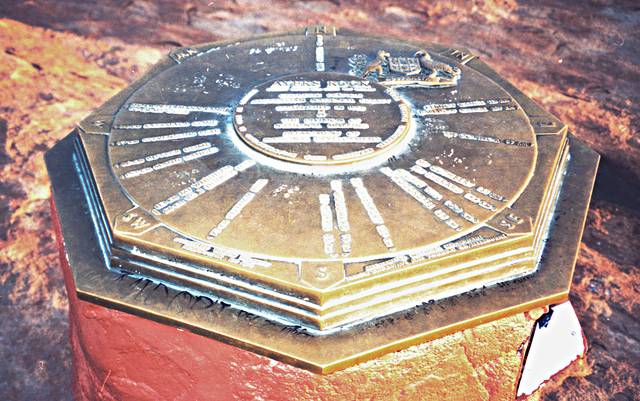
<point>319,179</point>
<point>53,77</point>
<point>323,179</point>
<point>322,354</point>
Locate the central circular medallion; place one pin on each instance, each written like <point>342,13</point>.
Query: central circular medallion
<point>321,118</point>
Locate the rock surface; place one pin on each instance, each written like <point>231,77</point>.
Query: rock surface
<point>64,58</point>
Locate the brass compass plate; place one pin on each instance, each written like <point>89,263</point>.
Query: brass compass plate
<point>176,153</point>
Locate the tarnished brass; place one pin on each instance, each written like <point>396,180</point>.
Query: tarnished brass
<point>340,190</point>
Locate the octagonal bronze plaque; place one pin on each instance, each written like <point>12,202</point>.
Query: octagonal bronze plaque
<point>324,180</point>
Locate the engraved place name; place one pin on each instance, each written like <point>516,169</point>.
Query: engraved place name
<point>278,47</point>
<point>398,177</point>
<point>372,212</point>
<point>486,192</point>
<point>321,120</point>
<point>390,264</point>
<point>435,178</point>
<point>443,178</point>
<point>321,86</point>
<point>486,138</point>
<point>198,188</point>
<point>184,155</point>
<point>236,209</point>
<point>467,242</point>
<point>342,217</point>
<point>434,194</point>
<point>326,222</point>
<point>340,224</point>
<point>179,109</point>
<point>177,124</point>
<point>472,106</point>
<point>427,253</point>
<point>168,137</point>
<point>208,250</point>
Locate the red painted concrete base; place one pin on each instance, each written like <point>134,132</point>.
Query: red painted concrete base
<point>118,356</point>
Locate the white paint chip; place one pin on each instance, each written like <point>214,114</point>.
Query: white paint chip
<point>553,347</point>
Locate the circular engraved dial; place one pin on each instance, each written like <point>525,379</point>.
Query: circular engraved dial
<point>321,118</point>
<point>294,149</point>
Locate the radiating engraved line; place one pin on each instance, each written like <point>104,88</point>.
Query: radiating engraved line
<point>326,220</point>
<point>177,109</point>
<point>421,168</point>
<point>486,192</point>
<point>372,212</point>
<point>203,185</point>
<point>342,217</point>
<point>433,193</point>
<point>451,176</point>
<point>477,201</point>
<point>156,156</point>
<point>171,162</point>
<point>449,204</point>
<point>433,177</point>
<point>398,178</point>
<point>408,188</point>
<point>428,189</point>
<point>469,184</point>
<point>236,209</point>
<point>164,155</point>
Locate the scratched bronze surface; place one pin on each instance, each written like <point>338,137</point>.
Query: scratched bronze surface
<point>437,178</point>
<point>210,316</point>
<point>322,177</point>
<point>575,58</point>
